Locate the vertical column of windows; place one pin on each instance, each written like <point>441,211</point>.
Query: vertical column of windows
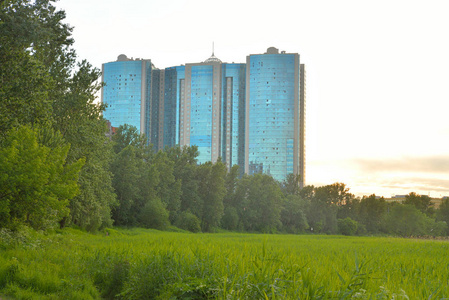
<point>202,110</point>
<point>169,96</point>
<point>161,110</point>
<point>228,121</point>
<point>179,133</point>
<point>216,111</point>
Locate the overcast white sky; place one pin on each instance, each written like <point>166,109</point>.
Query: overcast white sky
<point>377,73</point>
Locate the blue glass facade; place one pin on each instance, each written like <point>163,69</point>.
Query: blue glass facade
<point>127,83</point>
<point>233,115</point>
<point>155,113</point>
<point>174,92</point>
<point>201,123</point>
<point>272,108</point>
<point>251,115</point>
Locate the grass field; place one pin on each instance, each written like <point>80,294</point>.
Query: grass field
<point>147,264</point>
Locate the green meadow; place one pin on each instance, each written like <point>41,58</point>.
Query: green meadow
<point>150,264</point>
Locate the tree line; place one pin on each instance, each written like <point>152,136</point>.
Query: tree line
<point>169,187</point>
<point>58,168</point>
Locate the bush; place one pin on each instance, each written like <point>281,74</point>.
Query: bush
<point>347,226</point>
<point>188,221</point>
<point>154,215</point>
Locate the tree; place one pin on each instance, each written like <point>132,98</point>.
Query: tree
<point>421,202</point>
<point>231,181</point>
<point>291,184</point>
<point>350,209</point>
<point>443,213</point>
<point>36,184</point>
<point>371,211</point>
<point>78,117</point>
<point>406,220</point>
<point>41,83</point>
<point>144,182</point>
<point>293,215</point>
<point>322,213</point>
<point>230,218</point>
<point>185,171</point>
<point>259,199</point>
<point>169,188</point>
<point>23,89</point>
<point>126,135</point>
<point>33,42</point>
<point>211,178</point>
<point>126,168</point>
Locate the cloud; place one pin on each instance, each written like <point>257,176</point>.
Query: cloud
<point>417,184</point>
<point>386,177</point>
<point>401,185</point>
<point>431,164</point>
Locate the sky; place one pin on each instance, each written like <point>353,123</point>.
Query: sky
<point>377,72</point>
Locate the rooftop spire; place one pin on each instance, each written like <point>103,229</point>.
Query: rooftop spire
<point>213,58</point>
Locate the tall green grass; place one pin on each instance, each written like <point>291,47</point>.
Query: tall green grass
<point>149,264</point>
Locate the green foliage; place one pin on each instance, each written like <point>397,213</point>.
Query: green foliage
<point>33,46</point>
<point>421,202</point>
<point>371,211</point>
<point>149,264</point>
<point>185,172</point>
<point>230,220</point>
<point>126,168</point>
<point>231,181</point>
<point>406,220</point>
<point>23,89</point>
<point>128,135</point>
<point>347,226</point>
<point>169,188</point>
<point>35,183</point>
<point>259,203</point>
<point>154,215</point>
<point>212,189</point>
<point>41,84</point>
<point>322,214</point>
<point>188,221</point>
<point>443,213</point>
<point>143,181</point>
<point>293,216</point>
<point>291,184</point>
<point>78,117</point>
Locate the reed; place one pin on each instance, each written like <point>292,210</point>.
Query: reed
<point>150,264</point>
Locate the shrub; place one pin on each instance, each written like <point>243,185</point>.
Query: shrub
<point>188,221</point>
<point>154,215</point>
<point>347,226</point>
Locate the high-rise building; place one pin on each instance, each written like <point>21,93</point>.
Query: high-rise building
<point>273,116</point>
<point>233,115</point>
<point>173,97</point>
<point>200,110</point>
<point>157,109</point>
<point>127,92</point>
<point>251,115</point>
